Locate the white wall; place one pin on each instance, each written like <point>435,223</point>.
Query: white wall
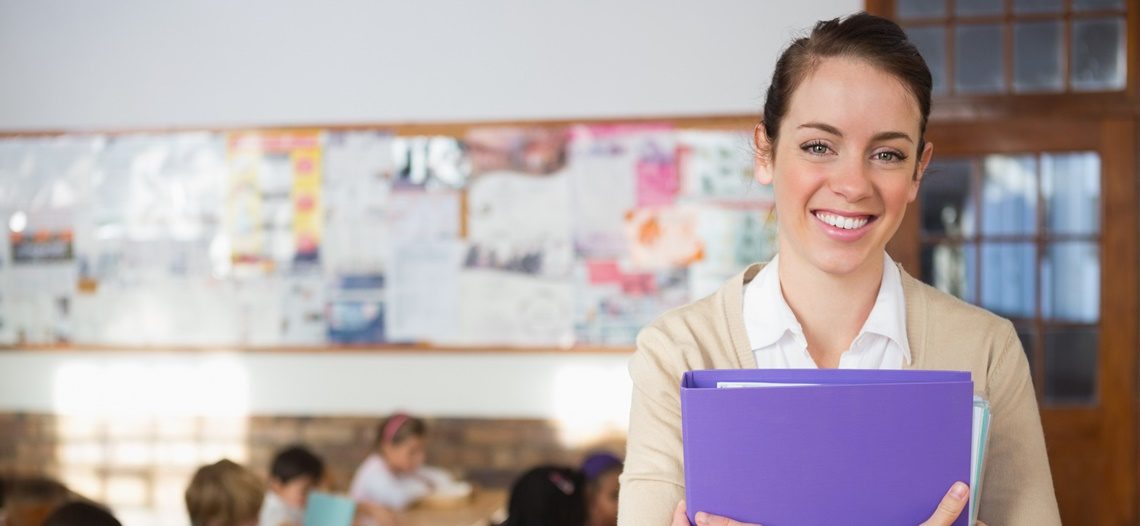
<point>129,64</point>
<point>480,384</point>
<point>137,64</point>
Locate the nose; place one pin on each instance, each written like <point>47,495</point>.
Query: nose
<point>852,180</point>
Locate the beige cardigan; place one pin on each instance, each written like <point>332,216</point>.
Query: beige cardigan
<point>944,332</point>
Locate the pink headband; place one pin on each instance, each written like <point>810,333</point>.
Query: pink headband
<point>392,426</point>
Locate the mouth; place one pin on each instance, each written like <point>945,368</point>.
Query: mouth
<point>844,221</point>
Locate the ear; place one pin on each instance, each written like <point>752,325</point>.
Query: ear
<point>920,171</point>
<point>763,167</point>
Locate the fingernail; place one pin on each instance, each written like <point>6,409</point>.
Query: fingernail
<point>702,517</point>
<point>958,490</point>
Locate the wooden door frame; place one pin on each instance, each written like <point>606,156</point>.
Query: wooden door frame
<point>1114,120</point>
<point>1116,141</point>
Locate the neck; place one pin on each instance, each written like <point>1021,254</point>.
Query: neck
<point>831,308</point>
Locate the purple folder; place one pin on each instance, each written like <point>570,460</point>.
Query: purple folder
<point>857,447</point>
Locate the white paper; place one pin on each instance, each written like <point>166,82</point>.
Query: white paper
<point>357,181</point>
<point>423,291</point>
<point>501,308</point>
<point>520,223</point>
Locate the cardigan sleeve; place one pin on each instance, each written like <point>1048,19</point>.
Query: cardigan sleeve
<point>1017,487</point>
<point>652,481</point>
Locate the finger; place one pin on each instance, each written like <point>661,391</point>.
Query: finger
<point>708,519</point>
<point>679,517</point>
<point>980,523</point>
<point>950,507</point>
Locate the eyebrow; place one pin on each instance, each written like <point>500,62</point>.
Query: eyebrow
<point>881,136</point>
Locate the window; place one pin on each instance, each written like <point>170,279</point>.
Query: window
<point>1020,236</point>
<point>993,47</point>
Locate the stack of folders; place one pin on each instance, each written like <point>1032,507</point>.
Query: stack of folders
<point>804,447</point>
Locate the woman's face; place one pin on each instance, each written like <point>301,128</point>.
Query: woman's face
<point>844,166</point>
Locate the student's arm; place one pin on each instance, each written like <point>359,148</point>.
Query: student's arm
<point>652,481</point>
<point>1017,487</point>
<point>371,514</point>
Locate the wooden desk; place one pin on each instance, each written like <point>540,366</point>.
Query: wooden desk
<point>476,512</point>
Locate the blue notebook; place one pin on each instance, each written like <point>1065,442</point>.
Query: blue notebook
<point>324,509</point>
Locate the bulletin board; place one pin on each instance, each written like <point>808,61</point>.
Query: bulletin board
<point>521,236</point>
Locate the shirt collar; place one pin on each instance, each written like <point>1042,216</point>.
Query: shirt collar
<point>888,315</point>
<point>767,316</point>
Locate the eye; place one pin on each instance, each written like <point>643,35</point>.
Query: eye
<point>888,156</point>
<point>815,148</point>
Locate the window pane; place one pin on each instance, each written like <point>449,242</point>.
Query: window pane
<point>931,43</point>
<point>1071,365</point>
<point>1071,186</point>
<point>1070,281</point>
<point>1096,5</point>
<point>1009,195</point>
<point>946,191</point>
<point>1036,6</point>
<point>1009,272</point>
<point>979,60</point>
<point>921,8</point>
<point>949,267</point>
<point>978,7</point>
<point>1037,56</point>
<point>1098,54</point>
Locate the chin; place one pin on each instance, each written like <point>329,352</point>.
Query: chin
<point>841,263</point>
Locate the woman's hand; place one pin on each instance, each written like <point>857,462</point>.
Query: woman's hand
<point>947,512</point>
<point>951,506</point>
<point>703,519</point>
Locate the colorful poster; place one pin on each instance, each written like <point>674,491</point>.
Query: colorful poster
<point>612,169</point>
<point>614,302</point>
<point>663,238</point>
<point>355,311</point>
<point>273,211</point>
<point>532,151</point>
<point>719,165</point>
<point>734,237</point>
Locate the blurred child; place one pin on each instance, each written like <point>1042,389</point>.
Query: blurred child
<point>600,471</point>
<point>28,500</point>
<point>547,496</point>
<point>295,471</point>
<point>394,476</point>
<point>81,513</point>
<point>224,494</point>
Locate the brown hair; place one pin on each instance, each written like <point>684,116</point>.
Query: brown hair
<point>224,494</point>
<point>878,41</point>
<point>398,428</point>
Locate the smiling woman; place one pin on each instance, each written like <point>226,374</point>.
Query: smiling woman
<point>842,143</point>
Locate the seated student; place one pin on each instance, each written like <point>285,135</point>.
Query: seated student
<point>601,471</point>
<point>294,471</point>
<point>394,477</point>
<point>224,494</point>
<point>81,513</point>
<point>547,496</point>
<point>28,500</point>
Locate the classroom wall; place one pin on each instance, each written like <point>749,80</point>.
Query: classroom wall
<point>131,64</point>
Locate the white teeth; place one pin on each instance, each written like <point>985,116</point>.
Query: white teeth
<point>846,223</point>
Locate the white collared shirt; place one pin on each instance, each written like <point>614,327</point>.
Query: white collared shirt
<point>778,341</point>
